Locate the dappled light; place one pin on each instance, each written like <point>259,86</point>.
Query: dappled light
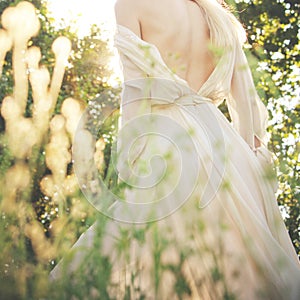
<point>53,80</point>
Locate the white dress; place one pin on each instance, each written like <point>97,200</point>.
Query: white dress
<point>215,228</point>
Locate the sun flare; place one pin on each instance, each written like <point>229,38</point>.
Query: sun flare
<point>86,13</point>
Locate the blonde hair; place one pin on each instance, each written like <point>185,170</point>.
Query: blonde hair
<point>224,26</point>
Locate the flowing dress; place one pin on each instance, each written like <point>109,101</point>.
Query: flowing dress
<point>199,195</point>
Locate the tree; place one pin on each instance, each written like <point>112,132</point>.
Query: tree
<point>273,31</point>
<point>41,152</point>
<point>85,79</point>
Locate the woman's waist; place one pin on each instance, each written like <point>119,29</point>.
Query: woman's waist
<point>185,100</point>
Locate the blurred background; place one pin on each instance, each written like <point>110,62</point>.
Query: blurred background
<point>57,58</point>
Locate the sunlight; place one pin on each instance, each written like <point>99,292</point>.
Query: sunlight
<point>86,13</point>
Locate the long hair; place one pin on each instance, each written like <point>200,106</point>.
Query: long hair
<point>225,27</point>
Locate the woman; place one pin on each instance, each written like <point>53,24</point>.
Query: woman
<point>202,186</point>
<point>181,59</point>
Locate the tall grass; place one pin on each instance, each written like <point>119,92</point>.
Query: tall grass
<point>36,157</point>
<point>37,144</point>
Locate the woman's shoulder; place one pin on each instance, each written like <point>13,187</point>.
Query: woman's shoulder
<point>135,7</point>
<point>132,5</point>
<point>127,14</point>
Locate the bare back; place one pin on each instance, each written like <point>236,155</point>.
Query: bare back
<point>179,30</point>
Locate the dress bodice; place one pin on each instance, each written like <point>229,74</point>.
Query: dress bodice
<point>142,60</point>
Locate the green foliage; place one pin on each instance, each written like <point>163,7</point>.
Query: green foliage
<point>87,72</point>
<point>273,36</point>
<point>85,79</point>
<point>35,228</point>
<point>24,264</point>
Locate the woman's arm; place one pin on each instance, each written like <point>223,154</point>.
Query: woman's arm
<point>127,14</point>
<point>134,103</point>
<point>248,113</point>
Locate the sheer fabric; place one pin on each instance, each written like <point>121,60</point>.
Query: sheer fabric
<point>228,239</point>
<point>255,243</point>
